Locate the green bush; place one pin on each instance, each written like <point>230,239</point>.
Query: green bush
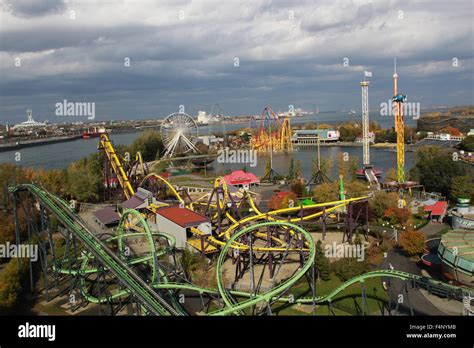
<point>12,283</point>
<point>84,178</point>
<point>348,268</point>
<point>322,263</point>
<point>467,144</point>
<point>150,145</point>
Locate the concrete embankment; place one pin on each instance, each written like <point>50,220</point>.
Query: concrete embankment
<point>352,144</point>
<point>36,142</point>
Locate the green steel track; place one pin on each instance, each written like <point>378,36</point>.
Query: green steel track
<point>156,305</point>
<point>153,303</point>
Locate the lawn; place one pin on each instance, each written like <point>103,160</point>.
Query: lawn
<point>348,302</point>
<point>443,231</point>
<point>418,221</point>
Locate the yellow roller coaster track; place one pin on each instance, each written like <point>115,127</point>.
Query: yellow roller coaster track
<point>270,216</point>
<point>163,180</point>
<point>109,150</point>
<point>221,202</point>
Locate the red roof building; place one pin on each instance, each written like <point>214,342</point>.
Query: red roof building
<point>182,216</point>
<point>437,210</point>
<point>239,177</point>
<point>178,222</point>
<point>452,131</point>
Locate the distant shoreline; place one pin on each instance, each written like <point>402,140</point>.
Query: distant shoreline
<point>60,139</point>
<point>37,142</point>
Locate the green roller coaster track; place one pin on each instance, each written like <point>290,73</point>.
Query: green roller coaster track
<point>149,299</point>
<point>153,303</point>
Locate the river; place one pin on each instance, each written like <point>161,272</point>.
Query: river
<point>60,155</point>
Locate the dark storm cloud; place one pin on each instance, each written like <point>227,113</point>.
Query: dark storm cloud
<point>33,8</point>
<point>47,37</point>
<point>184,53</point>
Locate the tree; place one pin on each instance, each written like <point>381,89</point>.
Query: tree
<point>11,175</point>
<point>467,144</point>
<point>281,200</point>
<point>321,262</point>
<point>409,135</point>
<point>160,167</point>
<point>54,180</point>
<point>327,165</point>
<point>374,126</point>
<point>349,132</point>
<point>298,188</point>
<point>397,216</point>
<point>381,202</point>
<point>7,232</point>
<point>386,135</point>
<point>347,268</point>
<point>291,170</point>
<point>462,187</point>
<point>435,169</point>
<point>327,192</point>
<point>120,150</point>
<point>190,261</point>
<point>11,282</point>
<point>353,164</point>
<point>310,125</point>
<point>342,164</point>
<point>355,188</point>
<point>298,171</point>
<point>391,175</point>
<point>412,242</point>
<point>84,180</point>
<point>150,144</point>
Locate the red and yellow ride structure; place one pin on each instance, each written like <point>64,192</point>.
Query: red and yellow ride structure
<point>274,133</point>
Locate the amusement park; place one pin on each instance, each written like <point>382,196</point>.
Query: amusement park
<point>156,243</point>
<point>251,172</point>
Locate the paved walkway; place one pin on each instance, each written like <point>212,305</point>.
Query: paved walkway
<point>420,302</point>
<point>433,228</point>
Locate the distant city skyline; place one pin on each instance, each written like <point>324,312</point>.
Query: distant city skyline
<point>143,59</point>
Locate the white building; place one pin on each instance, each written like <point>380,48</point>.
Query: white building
<point>371,138</point>
<point>202,118</point>
<point>178,221</point>
<point>209,140</point>
<point>30,123</point>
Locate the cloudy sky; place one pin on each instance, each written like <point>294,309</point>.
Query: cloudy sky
<point>186,52</point>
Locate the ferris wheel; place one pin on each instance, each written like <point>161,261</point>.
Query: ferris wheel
<point>179,133</point>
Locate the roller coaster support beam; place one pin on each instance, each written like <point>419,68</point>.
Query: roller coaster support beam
<point>270,253</point>
<point>151,301</point>
<point>43,253</point>
<point>323,221</point>
<point>313,287</point>
<point>17,226</point>
<point>365,306</point>
<point>356,211</point>
<point>408,297</point>
<point>29,227</point>
<point>216,192</point>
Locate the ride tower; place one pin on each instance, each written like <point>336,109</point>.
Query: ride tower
<point>367,171</point>
<point>397,104</point>
<point>365,123</point>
